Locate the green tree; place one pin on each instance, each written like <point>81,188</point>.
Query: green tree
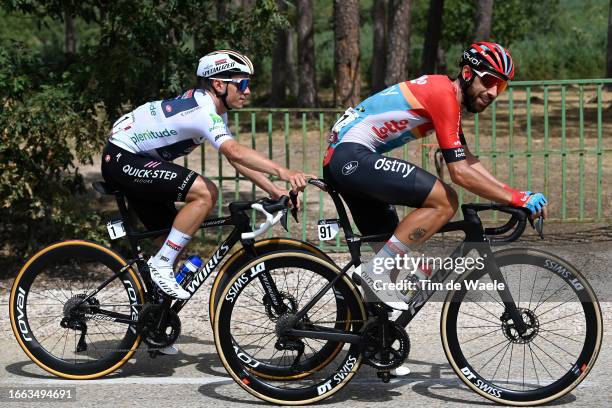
<point>57,112</point>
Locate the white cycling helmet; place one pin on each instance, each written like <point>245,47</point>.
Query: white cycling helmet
<point>224,62</point>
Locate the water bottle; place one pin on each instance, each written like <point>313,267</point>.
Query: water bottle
<point>191,266</point>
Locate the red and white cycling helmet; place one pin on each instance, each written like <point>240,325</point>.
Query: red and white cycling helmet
<point>490,57</point>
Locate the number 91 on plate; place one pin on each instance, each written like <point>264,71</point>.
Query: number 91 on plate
<point>327,229</point>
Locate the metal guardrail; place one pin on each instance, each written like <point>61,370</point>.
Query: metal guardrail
<point>527,137</point>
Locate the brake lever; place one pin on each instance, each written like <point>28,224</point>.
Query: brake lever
<point>293,196</point>
<point>283,220</point>
<point>538,225</point>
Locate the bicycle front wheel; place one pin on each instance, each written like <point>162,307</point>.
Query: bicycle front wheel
<point>249,330</point>
<point>57,330</point>
<point>559,348</point>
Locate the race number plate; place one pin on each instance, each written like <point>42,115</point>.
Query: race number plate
<point>115,229</point>
<point>349,115</point>
<point>328,229</point>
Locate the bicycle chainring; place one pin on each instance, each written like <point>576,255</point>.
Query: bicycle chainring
<point>398,346</point>
<point>155,334</point>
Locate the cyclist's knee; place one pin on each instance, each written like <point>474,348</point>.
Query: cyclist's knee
<point>453,199</point>
<point>203,191</point>
<point>444,199</point>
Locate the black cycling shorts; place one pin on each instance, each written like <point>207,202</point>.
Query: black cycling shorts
<point>371,184</point>
<point>151,186</point>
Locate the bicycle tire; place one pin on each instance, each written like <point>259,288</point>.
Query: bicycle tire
<point>586,354</point>
<point>245,368</point>
<point>53,260</point>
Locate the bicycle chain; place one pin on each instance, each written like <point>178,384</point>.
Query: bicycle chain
<point>339,321</point>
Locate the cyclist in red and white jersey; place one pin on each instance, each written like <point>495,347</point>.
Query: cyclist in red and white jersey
<point>137,158</point>
<point>371,183</point>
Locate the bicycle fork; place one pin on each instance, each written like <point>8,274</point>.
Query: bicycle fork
<point>511,309</point>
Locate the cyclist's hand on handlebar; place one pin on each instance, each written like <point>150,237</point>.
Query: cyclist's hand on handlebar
<point>298,180</point>
<point>280,192</point>
<point>536,203</point>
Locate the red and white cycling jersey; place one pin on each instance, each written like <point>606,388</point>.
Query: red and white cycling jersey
<point>405,112</point>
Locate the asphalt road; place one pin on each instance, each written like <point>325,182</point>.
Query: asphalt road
<point>195,377</point>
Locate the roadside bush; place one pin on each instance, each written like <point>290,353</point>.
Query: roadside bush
<point>45,132</point>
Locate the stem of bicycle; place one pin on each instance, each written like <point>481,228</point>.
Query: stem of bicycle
<point>299,315</point>
<point>505,295</point>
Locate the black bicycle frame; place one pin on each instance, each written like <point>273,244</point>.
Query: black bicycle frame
<point>238,219</point>
<point>475,236</point>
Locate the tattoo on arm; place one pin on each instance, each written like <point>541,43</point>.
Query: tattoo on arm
<point>417,234</point>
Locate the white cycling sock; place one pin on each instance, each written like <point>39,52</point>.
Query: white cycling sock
<point>406,262</point>
<point>172,247</point>
<point>391,249</point>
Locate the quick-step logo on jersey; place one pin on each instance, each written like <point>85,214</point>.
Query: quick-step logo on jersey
<point>389,127</point>
<point>149,135</point>
<point>396,166</point>
<point>149,173</point>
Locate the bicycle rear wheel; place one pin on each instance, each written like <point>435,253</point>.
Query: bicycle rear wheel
<point>556,352</point>
<point>60,333</point>
<point>247,329</point>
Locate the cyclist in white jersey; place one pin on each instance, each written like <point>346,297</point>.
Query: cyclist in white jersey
<point>137,159</point>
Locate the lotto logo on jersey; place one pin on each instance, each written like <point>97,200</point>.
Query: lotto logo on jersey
<point>459,153</point>
<point>389,127</point>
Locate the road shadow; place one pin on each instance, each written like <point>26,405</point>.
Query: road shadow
<point>434,381</point>
<point>142,365</point>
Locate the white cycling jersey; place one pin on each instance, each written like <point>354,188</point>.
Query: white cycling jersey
<point>171,128</point>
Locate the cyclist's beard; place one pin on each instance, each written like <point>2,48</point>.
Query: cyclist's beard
<point>469,101</point>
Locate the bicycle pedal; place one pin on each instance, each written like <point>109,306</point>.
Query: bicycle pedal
<point>356,279</point>
<point>385,376</point>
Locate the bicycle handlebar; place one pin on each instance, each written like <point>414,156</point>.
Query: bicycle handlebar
<point>266,208</point>
<point>517,221</point>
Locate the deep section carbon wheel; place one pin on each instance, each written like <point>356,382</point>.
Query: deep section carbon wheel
<point>60,326</point>
<point>551,357</point>
<point>250,334</point>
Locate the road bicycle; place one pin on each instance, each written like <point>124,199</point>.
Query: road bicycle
<point>80,310</point>
<point>529,339</point>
